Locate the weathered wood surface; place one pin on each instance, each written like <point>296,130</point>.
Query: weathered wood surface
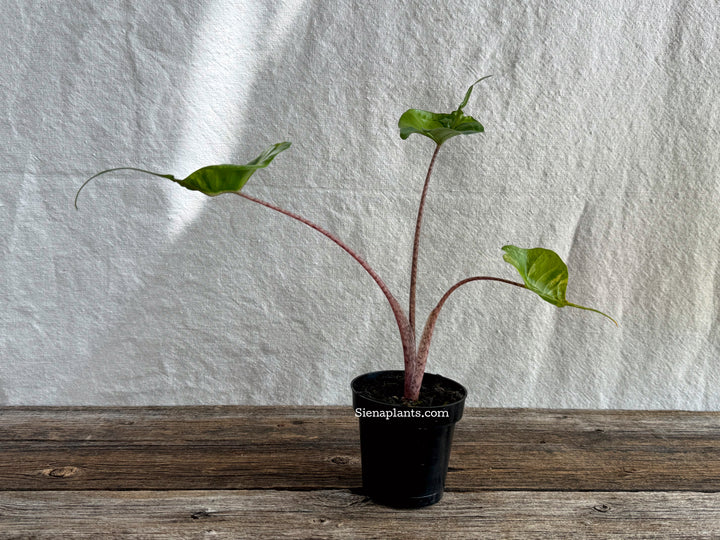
<point>340,514</point>
<point>294,472</point>
<point>318,448</point>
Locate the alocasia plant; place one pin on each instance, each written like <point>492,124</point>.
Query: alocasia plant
<point>543,271</point>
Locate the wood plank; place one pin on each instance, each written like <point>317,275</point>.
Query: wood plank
<point>317,448</point>
<point>588,450</point>
<point>178,448</point>
<point>341,514</point>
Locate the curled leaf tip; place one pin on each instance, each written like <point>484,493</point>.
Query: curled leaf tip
<point>481,79</point>
<point>168,176</point>
<point>595,310</point>
<point>469,91</point>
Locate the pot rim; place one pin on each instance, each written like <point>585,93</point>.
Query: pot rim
<point>383,404</point>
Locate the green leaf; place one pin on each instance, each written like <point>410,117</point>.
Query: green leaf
<point>544,273</point>
<point>214,179</point>
<point>440,126</point>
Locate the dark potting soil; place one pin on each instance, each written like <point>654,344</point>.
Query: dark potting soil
<point>388,388</point>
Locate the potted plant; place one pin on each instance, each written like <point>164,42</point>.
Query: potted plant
<point>406,416</point>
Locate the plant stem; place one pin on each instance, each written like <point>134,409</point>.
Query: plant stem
<point>416,241</point>
<point>424,346</point>
<point>406,335</point>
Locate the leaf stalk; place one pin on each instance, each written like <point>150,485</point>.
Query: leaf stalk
<point>416,241</point>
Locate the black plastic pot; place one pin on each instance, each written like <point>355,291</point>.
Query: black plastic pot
<point>405,450</point>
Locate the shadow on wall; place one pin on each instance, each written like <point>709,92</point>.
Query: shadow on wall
<point>174,338</point>
<point>232,47</point>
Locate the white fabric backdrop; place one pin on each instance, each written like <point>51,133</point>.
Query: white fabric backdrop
<point>601,143</point>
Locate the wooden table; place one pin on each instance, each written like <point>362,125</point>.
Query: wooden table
<point>294,472</point>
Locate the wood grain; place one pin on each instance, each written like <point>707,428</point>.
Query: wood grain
<point>307,448</point>
<point>334,514</point>
<point>294,472</point>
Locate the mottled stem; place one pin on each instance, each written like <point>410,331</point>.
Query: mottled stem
<point>406,335</point>
<point>416,241</point>
<point>424,346</point>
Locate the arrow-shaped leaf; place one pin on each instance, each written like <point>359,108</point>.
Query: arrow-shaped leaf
<point>214,179</point>
<point>544,273</point>
<point>440,126</point>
